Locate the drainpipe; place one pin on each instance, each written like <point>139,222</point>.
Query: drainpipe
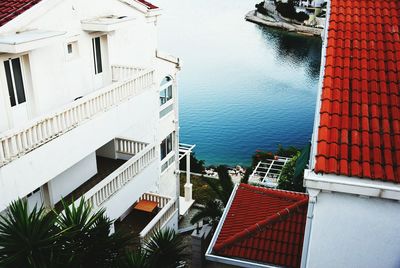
<point>313,193</point>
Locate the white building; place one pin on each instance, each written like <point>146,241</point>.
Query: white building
<point>89,107</point>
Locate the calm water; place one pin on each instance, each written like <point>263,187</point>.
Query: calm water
<point>243,87</point>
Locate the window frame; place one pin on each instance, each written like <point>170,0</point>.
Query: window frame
<point>166,91</point>
<point>167,146</point>
<point>97,55</point>
<point>16,97</point>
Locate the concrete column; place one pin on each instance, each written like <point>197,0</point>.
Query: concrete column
<point>188,185</point>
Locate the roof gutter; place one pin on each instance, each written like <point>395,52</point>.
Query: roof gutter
<point>314,139</point>
<point>351,185</point>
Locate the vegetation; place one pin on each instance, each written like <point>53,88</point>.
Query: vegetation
<point>222,187</point>
<point>287,180</point>
<point>202,192</point>
<point>260,8</point>
<point>246,175</point>
<point>196,165</point>
<point>288,10</point>
<point>77,237</point>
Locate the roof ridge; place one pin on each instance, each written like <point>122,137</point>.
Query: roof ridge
<point>263,224</point>
<point>275,192</point>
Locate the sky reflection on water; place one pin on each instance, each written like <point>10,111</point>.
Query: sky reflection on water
<point>243,87</point>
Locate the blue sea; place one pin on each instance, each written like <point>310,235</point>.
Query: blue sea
<point>242,87</point>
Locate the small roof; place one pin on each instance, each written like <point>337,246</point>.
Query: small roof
<point>359,119</point>
<point>263,225</point>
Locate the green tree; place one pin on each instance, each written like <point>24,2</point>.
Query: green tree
<point>212,211</point>
<point>287,180</point>
<point>86,235</point>
<point>165,249</point>
<point>196,165</point>
<point>30,239</point>
<point>246,176</point>
<point>222,186</point>
<point>135,259</point>
<point>77,237</point>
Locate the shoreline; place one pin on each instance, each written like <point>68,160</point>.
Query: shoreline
<point>258,18</point>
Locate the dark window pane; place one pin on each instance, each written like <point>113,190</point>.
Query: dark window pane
<point>163,97</point>
<point>163,149</point>
<point>9,83</point>
<point>169,94</point>
<point>98,55</point>
<point>19,84</point>
<point>169,143</point>
<point>94,56</point>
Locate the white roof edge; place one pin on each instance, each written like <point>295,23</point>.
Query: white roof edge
<point>314,138</point>
<point>29,40</point>
<point>351,185</point>
<point>238,262</point>
<point>221,221</point>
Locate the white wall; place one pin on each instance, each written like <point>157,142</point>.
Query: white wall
<point>57,80</point>
<point>23,175</point>
<point>167,182</point>
<point>71,178</point>
<point>352,231</point>
<point>123,199</point>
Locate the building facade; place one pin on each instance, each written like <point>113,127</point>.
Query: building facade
<point>89,107</point>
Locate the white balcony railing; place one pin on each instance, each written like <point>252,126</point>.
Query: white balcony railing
<point>102,191</point>
<point>168,208</point>
<point>17,142</point>
<point>127,146</point>
<point>121,72</point>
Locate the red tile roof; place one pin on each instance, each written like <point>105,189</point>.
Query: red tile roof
<point>359,129</point>
<point>147,4</point>
<point>9,9</point>
<point>264,225</point>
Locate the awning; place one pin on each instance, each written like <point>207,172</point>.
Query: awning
<point>29,40</point>
<point>106,23</point>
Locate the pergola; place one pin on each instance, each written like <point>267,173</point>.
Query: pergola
<point>267,172</point>
<point>187,201</point>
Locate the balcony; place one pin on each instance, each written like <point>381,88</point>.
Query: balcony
<point>127,83</point>
<point>141,224</point>
<point>99,190</point>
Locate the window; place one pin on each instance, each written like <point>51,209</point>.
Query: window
<point>15,81</point>
<point>166,90</point>
<point>69,48</point>
<point>98,68</point>
<point>72,50</point>
<point>166,146</point>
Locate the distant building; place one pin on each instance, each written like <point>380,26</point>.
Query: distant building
<point>353,181</point>
<point>88,108</point>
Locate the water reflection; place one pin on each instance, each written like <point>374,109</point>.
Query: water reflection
<point>242,87</point>
<point>295,49</point>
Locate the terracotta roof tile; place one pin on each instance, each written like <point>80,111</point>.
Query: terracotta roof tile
<point>359,131</point>
<point>9,9</point>
<point>147,4</point>
<point>268,231</point>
